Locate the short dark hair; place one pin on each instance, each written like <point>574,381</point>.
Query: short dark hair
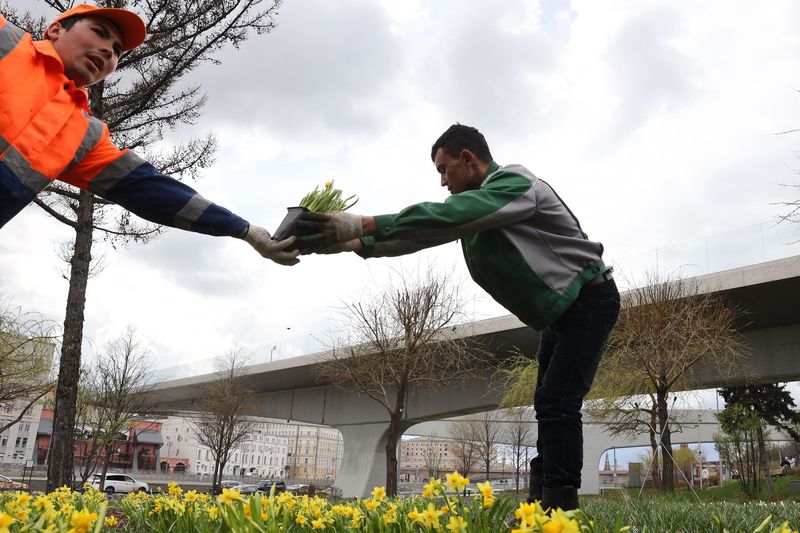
<point>459,137</point>
<point>69,22</point>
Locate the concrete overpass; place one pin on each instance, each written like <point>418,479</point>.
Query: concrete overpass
<point>289,389</point>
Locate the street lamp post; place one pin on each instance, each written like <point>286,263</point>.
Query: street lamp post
<point>699,451</point>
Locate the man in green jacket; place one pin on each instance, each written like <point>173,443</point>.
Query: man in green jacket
<point>525,247</point>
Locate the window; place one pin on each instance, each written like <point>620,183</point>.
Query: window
<point>3,441</point>
<point>24,427</point>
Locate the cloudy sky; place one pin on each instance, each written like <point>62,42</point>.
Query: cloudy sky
<point>656,121</point>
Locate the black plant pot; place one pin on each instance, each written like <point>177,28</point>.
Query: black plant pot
<point>289,227</point>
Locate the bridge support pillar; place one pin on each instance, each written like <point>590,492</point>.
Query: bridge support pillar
<point>364,460</point>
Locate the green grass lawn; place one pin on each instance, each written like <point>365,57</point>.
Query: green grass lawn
<point>680,511</point>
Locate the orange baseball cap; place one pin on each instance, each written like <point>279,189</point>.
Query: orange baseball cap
<point>130,25</point>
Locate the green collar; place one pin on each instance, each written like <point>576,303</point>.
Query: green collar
<point>493,167</point>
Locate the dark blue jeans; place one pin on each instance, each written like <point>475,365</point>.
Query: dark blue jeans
<point>569,353</point>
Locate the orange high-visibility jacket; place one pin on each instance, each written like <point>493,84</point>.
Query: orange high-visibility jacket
<point>47,133</point>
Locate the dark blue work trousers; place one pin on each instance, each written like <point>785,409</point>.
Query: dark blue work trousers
<point>569,353</point>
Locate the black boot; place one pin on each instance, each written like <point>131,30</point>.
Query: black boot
<point>564,498</point>
<point>534,486</point>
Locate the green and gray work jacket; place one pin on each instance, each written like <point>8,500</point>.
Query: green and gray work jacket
<point>521,242</point>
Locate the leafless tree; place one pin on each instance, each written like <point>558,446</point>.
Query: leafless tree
<point>27,345</point>
<point>141,103</point>
<point>221,425</point>
<point>465,446</point>
<point>114,391</point>
<point>402,341</point>
<point>433,458</point>
<point>518,432</point>
<point>487,431</point>
<point>666,332</point>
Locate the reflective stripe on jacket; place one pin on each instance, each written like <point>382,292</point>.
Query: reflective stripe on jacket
<point>47,133</point>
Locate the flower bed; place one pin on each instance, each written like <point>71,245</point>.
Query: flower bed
<point>441,508</point>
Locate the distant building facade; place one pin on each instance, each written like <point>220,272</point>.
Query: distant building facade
<point>263,454</point>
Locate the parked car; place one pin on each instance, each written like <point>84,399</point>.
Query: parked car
<point>6,483</point>
<point>120,483</point>
<point>247,490</point>
<point>265,485</point>
<point>298,488</point>
<point>230,484</point>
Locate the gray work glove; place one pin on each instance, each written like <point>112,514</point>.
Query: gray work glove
<point>331,228</point>
<point>277,251</point>
<point>354,245</point>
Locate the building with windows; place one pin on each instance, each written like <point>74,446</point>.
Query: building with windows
<point>315,452</point>
<point>18,442</point>
<point>135,449</point>
<point>263,454</point>
<point>422,457</point>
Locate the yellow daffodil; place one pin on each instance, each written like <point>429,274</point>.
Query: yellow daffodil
<point>414,514</point>
<point>355,520</point>
<point>371,505</point>
<point>229,496</point>
<point>174,489</point>
<point>456,481</point>
<point>430,517</point>
<point>82,521</point>
<point>559,522</point>
<point>5,521</point>
<point>190,496</point>
<point>525,514</point>
<point>379,493</point>
<point>23,499</point>
<point>318,523</point>
<point>486,489</point>
<point>111,521</point>
<point>22,514</point>
<point>457,525</point>
<point>213,512</point>
<point>432,488</point>
<point>390,516</point>
<point>301,519</point>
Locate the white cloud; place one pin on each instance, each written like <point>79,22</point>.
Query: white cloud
<point>654,120</point>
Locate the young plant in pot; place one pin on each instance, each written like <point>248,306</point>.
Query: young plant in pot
<point>317,201</point>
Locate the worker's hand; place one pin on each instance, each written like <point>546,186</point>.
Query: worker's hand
<point>354,245</point>
<point>330,228</point>
<point>278,251</point>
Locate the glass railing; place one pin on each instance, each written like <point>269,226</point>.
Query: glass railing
<point>733,249</point>
<point>741,247</point>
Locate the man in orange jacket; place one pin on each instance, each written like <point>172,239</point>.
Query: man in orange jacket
<point>47,131</point>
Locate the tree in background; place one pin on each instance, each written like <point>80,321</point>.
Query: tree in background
<point>401,341</point>
<point>685,459</point>
<point>27,345</point>
<point>142,102</point>
<point>221,425</point>
<point>114,392</point>
<point>738,446</point>
<point>487,431</point>
<point>773,404</point>
<point>464,445</point>
<point>667,331</point>
<point>518,433</point>
<point>433,459</point>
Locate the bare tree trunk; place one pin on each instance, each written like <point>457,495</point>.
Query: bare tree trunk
<point>667,469</point>
<point>392,437</point>
<point>655,446</point>
<point>60,471</point>
<point>106,460</point>
<point>764,462</point>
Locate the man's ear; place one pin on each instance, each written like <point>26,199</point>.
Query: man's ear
<point>54,31</point>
